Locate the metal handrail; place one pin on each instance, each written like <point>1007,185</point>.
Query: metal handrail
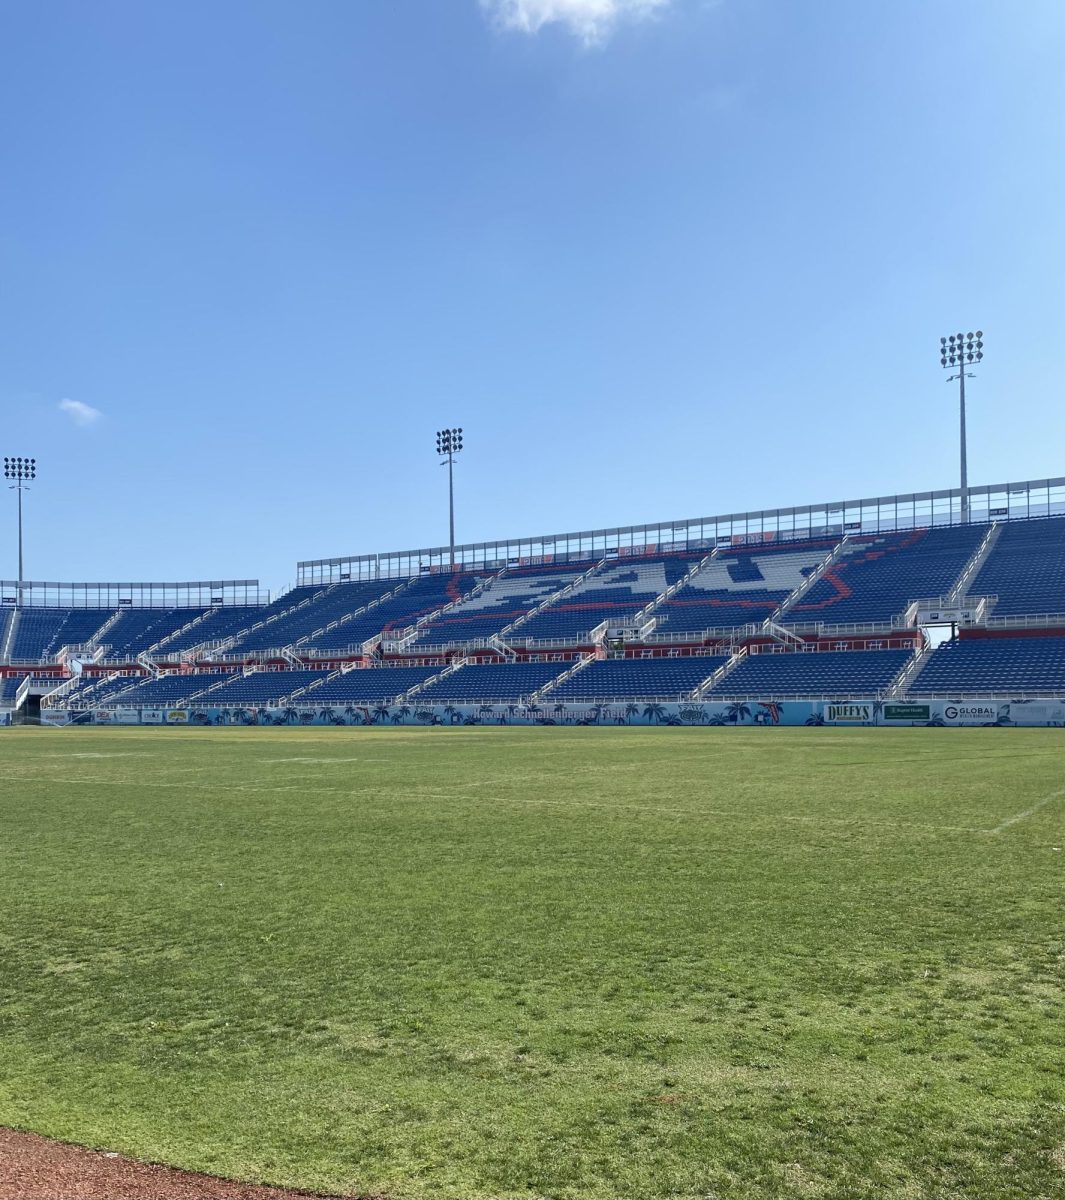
<point>546,643</point>
<point>967,697</point>
<point>1027,621</point>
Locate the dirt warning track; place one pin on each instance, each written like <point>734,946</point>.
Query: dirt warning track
<point>36,1168</point>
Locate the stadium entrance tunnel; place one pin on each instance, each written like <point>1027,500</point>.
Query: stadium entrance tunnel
<point>28,710</point>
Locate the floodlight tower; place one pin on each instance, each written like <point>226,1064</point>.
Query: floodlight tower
<point>22,471</point>
<point>449,443</point>
<point>956,353</point>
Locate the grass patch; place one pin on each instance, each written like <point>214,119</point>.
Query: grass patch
<point>542,963</point>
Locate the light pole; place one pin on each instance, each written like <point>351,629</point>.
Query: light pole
<point>956,353</point>
<point>449,443</point>
<point>21,470</point>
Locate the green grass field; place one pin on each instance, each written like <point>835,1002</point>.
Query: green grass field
<point>526,963</point>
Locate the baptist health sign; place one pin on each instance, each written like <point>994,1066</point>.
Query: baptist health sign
<point>907,712</point>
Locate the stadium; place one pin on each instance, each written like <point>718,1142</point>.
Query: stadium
<point>809,615</point>
<point>670,857</point>
<point>587,962</point>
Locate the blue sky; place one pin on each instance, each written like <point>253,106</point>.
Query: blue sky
<point>659,259</point>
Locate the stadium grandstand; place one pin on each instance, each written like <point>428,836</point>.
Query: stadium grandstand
<point>887,598</point>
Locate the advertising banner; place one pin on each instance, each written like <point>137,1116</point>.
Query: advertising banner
<point>945,616</point>
<point>1034,712</point>
<point>906,712</point>
<point>971,712</point>
<point>851,713</point>
<point>703,713</point>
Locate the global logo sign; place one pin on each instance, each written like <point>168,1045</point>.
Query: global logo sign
<point>971,714</point>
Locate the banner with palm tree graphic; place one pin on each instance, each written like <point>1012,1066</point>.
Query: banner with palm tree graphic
<point>872,712</point>
<point>633,712</point>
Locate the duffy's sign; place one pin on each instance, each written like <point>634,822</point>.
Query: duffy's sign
<point>854,714</point>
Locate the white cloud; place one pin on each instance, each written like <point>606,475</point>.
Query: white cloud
<point>79,413</point>
<point>590,20</point>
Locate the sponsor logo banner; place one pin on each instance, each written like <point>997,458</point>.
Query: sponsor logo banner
<point>1033,712</point>
<point>856,714</point>
<point>151,716</point>
<point>907,712</point>
<point>944,616</point>
<point>117,716</point>
<point>971,713</point>
<point>177,716</point>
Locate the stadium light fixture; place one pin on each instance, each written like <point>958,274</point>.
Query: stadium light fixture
<point>22,471</point>
<point>956,353</point>
<point>448,444</point>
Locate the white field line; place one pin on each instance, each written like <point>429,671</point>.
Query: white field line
<point>1028,812</point>
<point>99,754</point>
<point>318,761</point>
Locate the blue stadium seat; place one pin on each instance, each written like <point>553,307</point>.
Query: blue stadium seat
<point>1003,665</point>
<point>92,689</point>
<point>638,678</point>
<point>328,604</point>
<point>363,685</point>
<point>137,629</point>
<point>422,596</point>
<point>9,686</point>
<point>740,587</point>
<point>1025,569</point>
<point>215,626</point>
<point>492,682</point>
<point>820,673</point>
<point>7,617</point>
<point>42,632</point>
<point>166,689</point>
<point>502,602</point>
<point>615,592</point>
<point>262,688</point>
<point>876,577</point>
